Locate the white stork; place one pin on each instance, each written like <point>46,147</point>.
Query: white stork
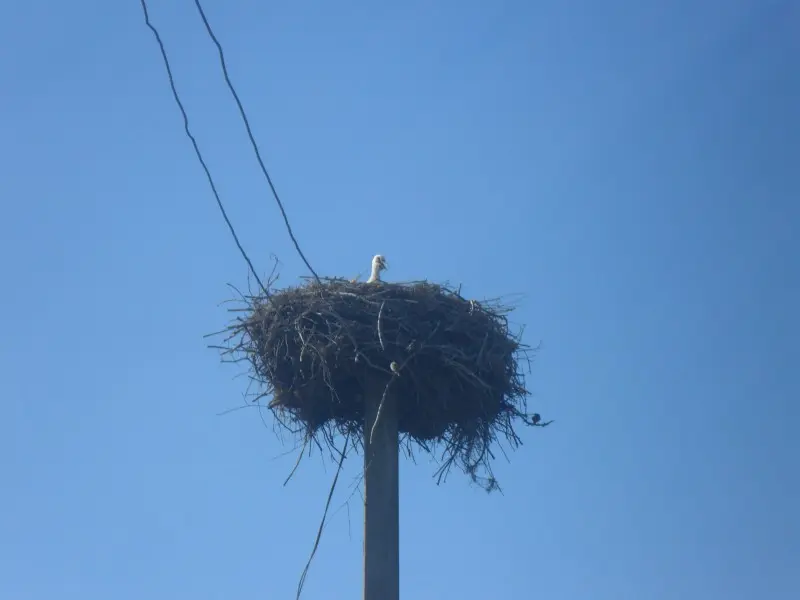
<point>378,265</point>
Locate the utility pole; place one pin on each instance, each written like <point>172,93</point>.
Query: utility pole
<point>381,489</point>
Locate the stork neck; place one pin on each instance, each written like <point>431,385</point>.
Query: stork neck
<point>375,275</point>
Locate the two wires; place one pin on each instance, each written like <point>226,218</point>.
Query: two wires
<point>250,134</point>
<point>200,158</point>
<point>228,221</point>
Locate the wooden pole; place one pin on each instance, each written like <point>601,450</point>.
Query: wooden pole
<point>382,502</point>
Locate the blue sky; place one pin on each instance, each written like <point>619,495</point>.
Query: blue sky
<point>626,171</point>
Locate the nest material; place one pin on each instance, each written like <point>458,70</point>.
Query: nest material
<point>452,364</point>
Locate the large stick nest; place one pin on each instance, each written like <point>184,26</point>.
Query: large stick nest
<point>452,364</point>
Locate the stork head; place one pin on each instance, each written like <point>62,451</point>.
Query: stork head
<point>379,263</point>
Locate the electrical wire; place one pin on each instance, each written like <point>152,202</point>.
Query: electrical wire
<point>250,134</point>
<point>196,147</point>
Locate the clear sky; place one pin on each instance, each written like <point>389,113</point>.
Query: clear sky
<point>627,172</point>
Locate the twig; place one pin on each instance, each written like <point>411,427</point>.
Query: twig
<point>299,458</point>
<point>302,581</point>
<point>380,333</point>
<point>380,410</point>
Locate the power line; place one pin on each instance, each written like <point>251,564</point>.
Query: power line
<point>196,147</point>
<point>250,134</point>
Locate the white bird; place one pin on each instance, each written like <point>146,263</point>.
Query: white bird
<point>378,265</point>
